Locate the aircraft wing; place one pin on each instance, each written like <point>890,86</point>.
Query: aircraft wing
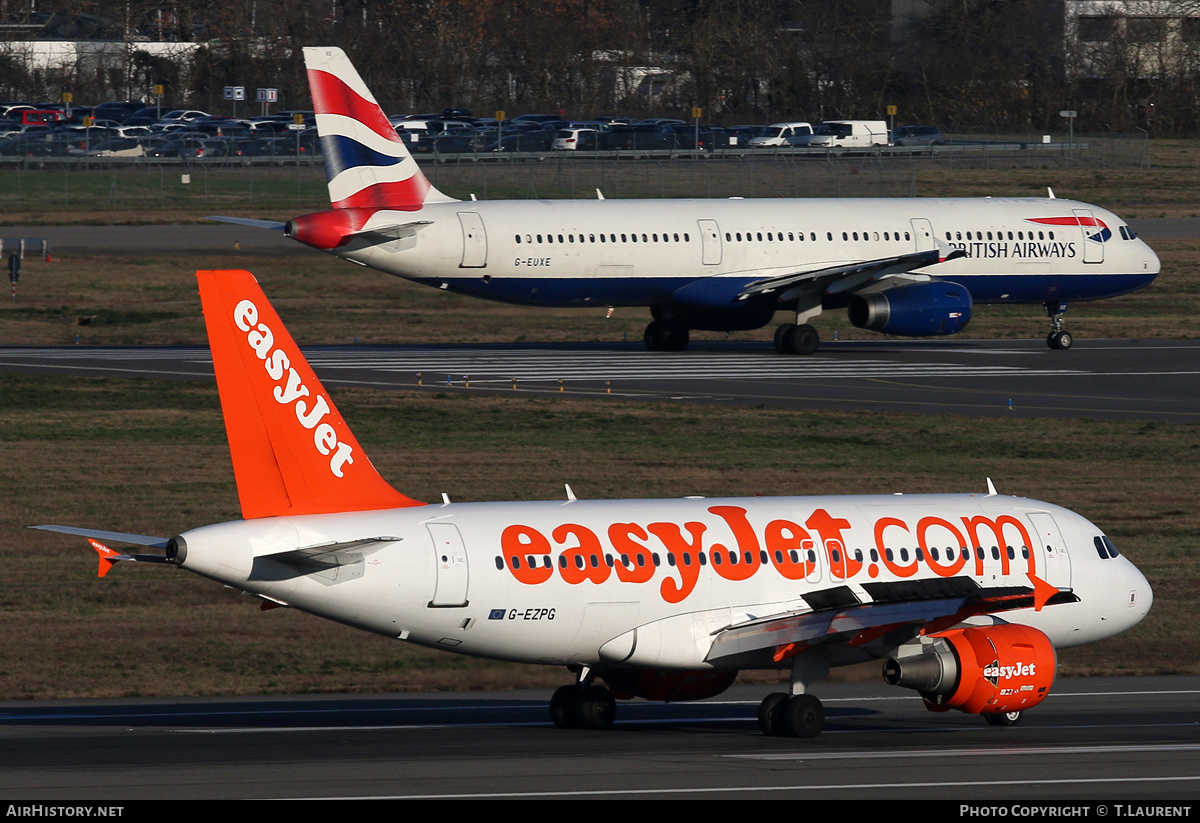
<point>849,276</point>
<point>843,614</point>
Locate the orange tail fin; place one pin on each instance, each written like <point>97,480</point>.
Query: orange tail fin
<point>292,451</point>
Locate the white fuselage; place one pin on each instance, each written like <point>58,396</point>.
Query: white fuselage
<point>649,583</point>
<point>643,252</point>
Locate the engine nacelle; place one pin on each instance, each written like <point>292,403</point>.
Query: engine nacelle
<point>667,686</point>
<point>992,669</point>
<point>916,310</point>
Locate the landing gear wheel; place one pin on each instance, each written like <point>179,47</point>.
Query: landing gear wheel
<point>1002,718</point>
<point>592,707</point>
<point>595,708</point>
<point>803,716</point>
<point>1059,340</point>
<point>793,339</point>
<point>562,706</point>
<point>781,337</point>
<point>663,336</point>
<point>770,714</point>
<point>805,340</point>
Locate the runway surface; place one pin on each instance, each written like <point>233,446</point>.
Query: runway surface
<point>1111,379</point>
<point>1103,739</point>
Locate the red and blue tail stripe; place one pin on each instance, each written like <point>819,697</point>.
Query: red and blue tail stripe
<point>366,164</point>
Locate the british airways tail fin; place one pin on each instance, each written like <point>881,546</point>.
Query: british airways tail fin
<point>292,451</point>
<point>366,163</point>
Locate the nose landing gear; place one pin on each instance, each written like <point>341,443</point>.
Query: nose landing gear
<point>1059,337</point>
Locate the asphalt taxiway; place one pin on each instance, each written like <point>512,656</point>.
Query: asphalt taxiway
<point>1112,379</point>
<point>1153,380</point>
<point>1093,740</point>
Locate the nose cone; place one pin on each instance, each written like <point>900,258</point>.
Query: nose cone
<point>1141,596</point>
<point>1125,597</point>
<point>1150,262</point>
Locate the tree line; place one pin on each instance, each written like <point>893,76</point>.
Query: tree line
<point>965,65</point>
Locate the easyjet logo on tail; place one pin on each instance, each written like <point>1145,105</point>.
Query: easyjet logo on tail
<point>290,389</point>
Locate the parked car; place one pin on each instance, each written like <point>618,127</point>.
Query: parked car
<point>575,140</point>
<point>856,134</point>
<point>918,136</point>
<point>522,141</point>
<point>740,136</point>
<point>777,135</point>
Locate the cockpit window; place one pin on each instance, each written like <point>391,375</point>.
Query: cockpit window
<point>1105,548</point>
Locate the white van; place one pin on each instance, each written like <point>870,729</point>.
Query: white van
<point>858,134</point>
<point>778,134</point>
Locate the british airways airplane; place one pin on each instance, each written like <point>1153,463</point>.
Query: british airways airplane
<point>964,597</point>
<point>911,267</point>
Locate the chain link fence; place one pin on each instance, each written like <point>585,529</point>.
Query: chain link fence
<point>147,187</point>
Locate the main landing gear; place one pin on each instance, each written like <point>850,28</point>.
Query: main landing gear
<point>583,705</point>
<point>663,335</point>
<point>791,338</point>
<point>798,714</point>
<point>1059,337</point>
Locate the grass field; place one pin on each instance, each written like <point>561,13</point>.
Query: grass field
<point>1134,179</point>
<point>150,457</point>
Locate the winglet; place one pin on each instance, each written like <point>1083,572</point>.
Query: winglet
<point>108,557</point>
<point>292,451</point>
<point>1042,591</point>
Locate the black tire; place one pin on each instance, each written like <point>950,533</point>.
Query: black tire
<point>562,706</point>
<point>1003,718</point>
<point>804,716</point>
<point>803,340</point>
<point>770,714</point>
<point>781,337</point>
<point>1061,340</point>
<point>663,336</point>
<point>595,708</point>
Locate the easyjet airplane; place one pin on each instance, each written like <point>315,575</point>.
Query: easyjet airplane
<point>965,597</point>
<point>912,267</point>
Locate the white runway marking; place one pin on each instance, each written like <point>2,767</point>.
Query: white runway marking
<point>491,365</point>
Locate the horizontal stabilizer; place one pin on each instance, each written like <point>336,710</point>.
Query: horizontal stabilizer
<point>331,555</point>
<point>249,221</point>
<point>386,234</point>
<point>118,537</point>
